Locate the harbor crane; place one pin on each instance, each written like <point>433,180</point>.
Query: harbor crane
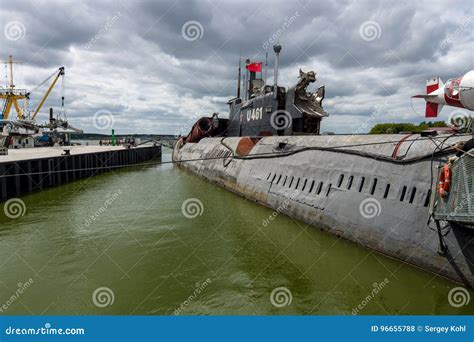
<point>24,125</point>
<point>12,96</point>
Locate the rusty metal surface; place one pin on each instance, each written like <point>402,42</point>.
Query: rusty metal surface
<point>201,129</point>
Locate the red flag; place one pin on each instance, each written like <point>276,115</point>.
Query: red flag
<point>254,67</point>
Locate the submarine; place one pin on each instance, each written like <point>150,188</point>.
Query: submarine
<point>381,192</point>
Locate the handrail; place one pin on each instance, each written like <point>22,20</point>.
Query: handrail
<point>459,204</point>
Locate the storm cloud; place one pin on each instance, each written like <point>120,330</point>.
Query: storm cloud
<point>158,65</point>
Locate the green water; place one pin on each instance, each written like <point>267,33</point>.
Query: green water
<point>153,260</point>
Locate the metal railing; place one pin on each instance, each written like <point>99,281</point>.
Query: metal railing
<point>459,204</point>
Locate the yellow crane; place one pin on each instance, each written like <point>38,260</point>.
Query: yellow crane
<point>11,95</point>
<point>58,74</point>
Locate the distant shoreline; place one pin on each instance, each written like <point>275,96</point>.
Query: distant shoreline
<point>97,136</point>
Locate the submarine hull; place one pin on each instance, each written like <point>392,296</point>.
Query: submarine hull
<point>378,204</point>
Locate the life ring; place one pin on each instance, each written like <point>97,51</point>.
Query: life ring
<point>444,181</point>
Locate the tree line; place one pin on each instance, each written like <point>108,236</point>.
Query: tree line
<point>395,128</point>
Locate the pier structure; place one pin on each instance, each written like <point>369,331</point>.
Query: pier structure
<point>33,169</point>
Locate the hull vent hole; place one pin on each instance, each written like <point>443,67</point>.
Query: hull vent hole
<point>361,185</point>
<point>349,184</point>
<point>404,191</point>
<point>387,189</point>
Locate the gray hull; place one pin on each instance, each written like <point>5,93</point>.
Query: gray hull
<point>377,204</point>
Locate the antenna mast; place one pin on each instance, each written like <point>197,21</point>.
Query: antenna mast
<point>277,49</point>
<point>266,65</point>
<point>240,70</point>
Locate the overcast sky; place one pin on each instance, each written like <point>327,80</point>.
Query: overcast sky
<point>155,66</point>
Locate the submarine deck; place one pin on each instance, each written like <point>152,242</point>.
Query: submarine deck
<point>396,146</point>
